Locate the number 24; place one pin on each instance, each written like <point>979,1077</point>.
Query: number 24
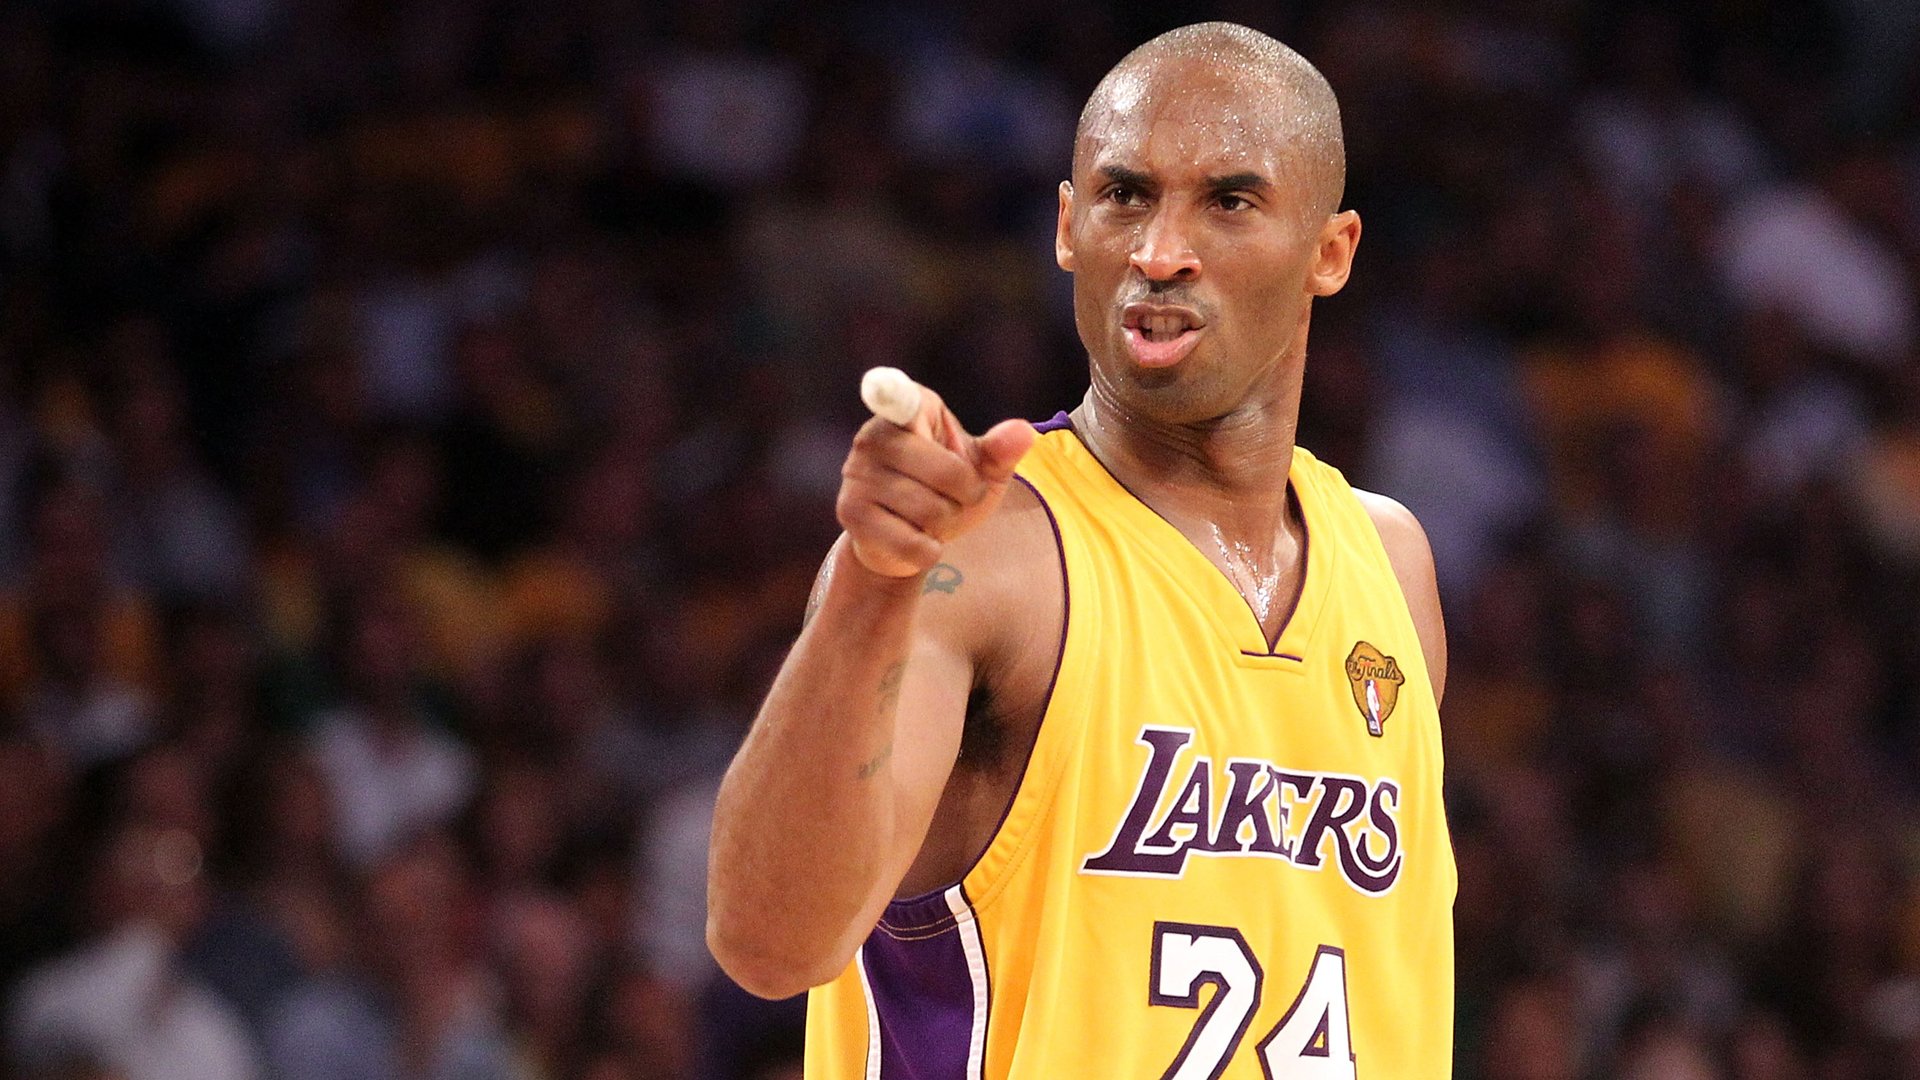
<point>1311,1042</point>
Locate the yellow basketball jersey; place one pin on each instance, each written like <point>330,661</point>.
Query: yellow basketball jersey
<point>1224,860</point>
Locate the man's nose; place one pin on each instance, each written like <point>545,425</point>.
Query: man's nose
<point>1165,250</point>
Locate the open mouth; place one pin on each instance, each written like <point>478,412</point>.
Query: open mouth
<point>1160,336</point>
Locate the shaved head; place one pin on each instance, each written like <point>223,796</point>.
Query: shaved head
<point>1285,100</point>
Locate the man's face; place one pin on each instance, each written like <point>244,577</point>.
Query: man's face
<point>1196,241</point>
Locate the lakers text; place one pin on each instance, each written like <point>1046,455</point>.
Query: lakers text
<point>1347,820</point>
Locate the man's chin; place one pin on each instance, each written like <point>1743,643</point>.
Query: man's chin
<point>1178,395</point>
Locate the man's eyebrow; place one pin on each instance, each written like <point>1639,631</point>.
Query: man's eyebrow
<point>1120,174</point>
<point>1240,181</point>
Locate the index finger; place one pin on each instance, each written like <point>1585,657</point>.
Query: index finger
<point>893,396</point>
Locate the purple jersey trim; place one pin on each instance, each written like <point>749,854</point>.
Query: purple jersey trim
<point>927,996</point>
<point>1060,422</point>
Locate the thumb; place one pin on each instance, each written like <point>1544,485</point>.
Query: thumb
<point>997,453</point>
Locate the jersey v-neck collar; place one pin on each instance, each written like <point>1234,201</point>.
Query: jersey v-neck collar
<point>1227,610</point>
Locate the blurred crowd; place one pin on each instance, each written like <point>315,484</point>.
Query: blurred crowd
<point>419,426</point>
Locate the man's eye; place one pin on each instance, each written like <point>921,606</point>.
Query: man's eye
<point>1125,196</point>
<point>1233,202</point>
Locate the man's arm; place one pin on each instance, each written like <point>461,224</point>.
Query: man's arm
<point>1412,559</point>
<point>829,798</point>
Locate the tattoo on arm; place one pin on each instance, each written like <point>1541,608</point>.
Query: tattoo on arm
<point>890,685</point>
<point>889,697</point>
<point>944,577</point>
<point>873,764</point>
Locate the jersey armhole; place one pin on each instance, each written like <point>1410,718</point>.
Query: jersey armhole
<point>982,891</point>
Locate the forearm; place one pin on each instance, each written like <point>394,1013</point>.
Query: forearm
<point>807,840</point>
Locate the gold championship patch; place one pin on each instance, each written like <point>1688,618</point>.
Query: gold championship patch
<point>1375,678</point>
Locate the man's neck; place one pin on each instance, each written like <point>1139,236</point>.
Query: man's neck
<point>1231,471</point>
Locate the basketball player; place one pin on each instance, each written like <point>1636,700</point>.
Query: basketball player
<point>1113,750</point>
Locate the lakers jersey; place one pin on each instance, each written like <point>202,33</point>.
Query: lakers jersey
<point>1224,860</point>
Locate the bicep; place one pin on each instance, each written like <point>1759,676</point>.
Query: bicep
<point>934,682</point>
<point>1412,560</point>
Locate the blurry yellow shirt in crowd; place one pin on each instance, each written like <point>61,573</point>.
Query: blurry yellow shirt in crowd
<point>1225,859</point>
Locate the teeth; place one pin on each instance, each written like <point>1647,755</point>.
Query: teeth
<point>1161,328</point>
<point>1164,327</point>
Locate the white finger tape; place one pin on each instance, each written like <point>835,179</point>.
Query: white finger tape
<point>890,394</point>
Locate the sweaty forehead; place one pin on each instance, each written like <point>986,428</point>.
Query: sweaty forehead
<point>1192,115</point>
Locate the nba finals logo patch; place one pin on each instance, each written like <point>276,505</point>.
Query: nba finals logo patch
<point>1376,683</point>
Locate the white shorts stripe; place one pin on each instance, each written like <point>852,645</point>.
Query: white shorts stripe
<point>977,970</point>
<point>873,1016</point>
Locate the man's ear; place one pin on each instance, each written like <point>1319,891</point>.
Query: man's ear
<point>1333,260</point>
<point>1063,231</point>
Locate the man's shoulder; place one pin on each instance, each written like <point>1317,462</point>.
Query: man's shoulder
<point>1408,551</point>
<point>1003,577</point>
<point>1396,523</point>
<point>1411,557</point>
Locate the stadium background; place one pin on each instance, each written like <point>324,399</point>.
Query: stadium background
<point>419,425</point>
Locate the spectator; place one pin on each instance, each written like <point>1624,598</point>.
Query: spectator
<point>121,997</point>
<point>391,769</point>
<point>548,961</point>
<point>416,1004</point>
